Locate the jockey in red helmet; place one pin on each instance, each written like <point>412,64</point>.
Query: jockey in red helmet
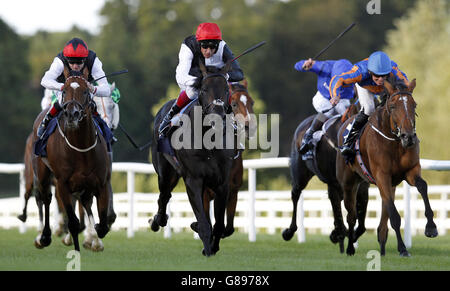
<point>75,57</point>
<point>205,46</point>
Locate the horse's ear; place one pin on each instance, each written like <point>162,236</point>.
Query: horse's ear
<point>412,85</point>
<point>113,86</point>
<point>203,69</point>
<point>245,83</point>
<point>388,88</point>
<point>86,73</point>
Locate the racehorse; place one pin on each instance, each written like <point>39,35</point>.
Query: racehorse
<point>323,165</point>
<point>201,166</point>
<point>387,152</point>
<point>242,106</point>
<point>78,159</point>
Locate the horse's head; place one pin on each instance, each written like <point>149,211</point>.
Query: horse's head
<point>75,98</point>
<point>213,95</point>
<point>401,108</point>
<point>242,106</point>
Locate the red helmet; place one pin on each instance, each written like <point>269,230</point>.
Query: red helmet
<point>208,30</point>
<point>76,48</point>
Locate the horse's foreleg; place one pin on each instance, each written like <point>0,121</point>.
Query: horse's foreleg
<point>422,187</point>
<point>339,232</point>
<point>91,241</point>
<point>73,222</point>
<point>382,230</point>
<point>350,205</point>
<point>194,188</point>
<point>362,200</point>
<point>388,195</point>
<point>167,180</point>
<point>46,237</point>
<point>103,202</point>
<point>231,212</point>
<point>220,203</point>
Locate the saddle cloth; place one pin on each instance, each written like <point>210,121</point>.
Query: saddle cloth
<point>40,146</point>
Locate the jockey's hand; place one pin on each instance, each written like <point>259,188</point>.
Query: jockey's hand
<point>307,65</point>
<point>334,100</point>
<point>91,88</point>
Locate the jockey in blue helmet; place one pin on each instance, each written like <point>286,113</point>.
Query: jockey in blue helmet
<point>368,76</point>
<point>325,70</point>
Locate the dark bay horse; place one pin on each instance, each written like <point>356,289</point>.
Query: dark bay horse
<point>242,106</point>
<point>324,168</point>
<point>77,158</point>
<point>389,154</point>
<point>201,166</point>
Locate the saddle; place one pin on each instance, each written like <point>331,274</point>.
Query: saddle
<point>310,157</point>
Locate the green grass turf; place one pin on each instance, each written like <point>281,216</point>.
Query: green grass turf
<point>151,251</point>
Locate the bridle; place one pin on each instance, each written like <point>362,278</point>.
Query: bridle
<point>217,101</point>
<point>396,131</point>
<point>76,103</point>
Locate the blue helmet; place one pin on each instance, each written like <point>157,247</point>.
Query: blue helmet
<point>379,63</point>
<point>341,66</point>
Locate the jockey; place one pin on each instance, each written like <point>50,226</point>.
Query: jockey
<point>108,108</point>
<point>369,76</point>
<point>75,56</point>
<point>325,70</point>
<point>205,46</point>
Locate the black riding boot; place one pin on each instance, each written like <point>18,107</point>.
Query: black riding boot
<point>316,124</point>
<point>348,144</point>
<point>52,112</point>
<point>165,123</point>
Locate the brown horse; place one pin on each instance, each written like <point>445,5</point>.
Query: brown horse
<point>77,157</point>
<point>323,165</point>
<point>388,154</point>
<point>242,105</point>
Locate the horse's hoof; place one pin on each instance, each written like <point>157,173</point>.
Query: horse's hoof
<point>22,217</point>
<point>228,232</point>
<point>431,231</point>
<point>194,226</point>
<point>341,246</point>
<point>153,225</point>
<point>101,230</point>
<point>405,254</point>
<point>287,234</point>
<point>67,240</point>
<point>207,253</point>
<point>161,219</point>
<point>87,245</point>
<point>350,251</point>
<point>37,243</point>
<point>45,240</point>
<point>97,246</point>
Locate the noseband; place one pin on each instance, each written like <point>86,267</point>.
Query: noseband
<point>215,102</point>
<point>81,107</point>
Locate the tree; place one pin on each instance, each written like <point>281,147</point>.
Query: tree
<point>420,44</point>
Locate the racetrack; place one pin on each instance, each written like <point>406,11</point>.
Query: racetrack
<point>151,251</point>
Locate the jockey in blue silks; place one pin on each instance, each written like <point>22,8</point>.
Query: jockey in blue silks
<point>368,76</point>
<point>325,70</point>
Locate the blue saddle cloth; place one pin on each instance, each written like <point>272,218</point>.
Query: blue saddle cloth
<point>164,145</point>
<point>40,146</point>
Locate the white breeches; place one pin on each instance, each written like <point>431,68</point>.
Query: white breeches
<point>322,104</point>
<point>366,99</point>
